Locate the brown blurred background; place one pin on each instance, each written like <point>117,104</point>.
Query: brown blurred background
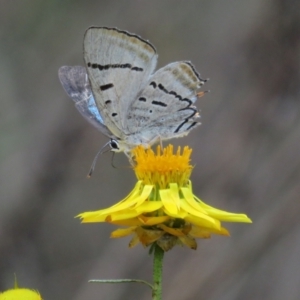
<point>246,152</point>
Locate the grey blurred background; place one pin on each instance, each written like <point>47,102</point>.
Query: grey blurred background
<point>246,152</point>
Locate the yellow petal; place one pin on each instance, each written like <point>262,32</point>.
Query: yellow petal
<point>150,221</point>
<point>205,233</point>
<point>190,199</point>
<point>130,200</point>
<point>122,232</point>
<point>148,206</point>
<point>175,193</point>
<point>121,215</point>
<point>172,231</point>
<point>201,222</point>
<point>224,215</point>
<point>128,222</point>
<point>181,214</point>
<point>134,193</point>
<point>169,201</point>
<point>224,231</point>
<point>92,216</point>
<point>101,215</point>
<point>134,241</point>
<point>200,233</point>
<point>147,189</point>
<point>202,217</point>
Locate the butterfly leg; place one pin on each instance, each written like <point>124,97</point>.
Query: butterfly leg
<point>151,142</point>
<point>160,142</point>
<point>130,157</point>
<point>156,139</point>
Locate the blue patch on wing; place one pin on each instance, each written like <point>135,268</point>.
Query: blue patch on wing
<point>90,112</point>
<point>93,109</point>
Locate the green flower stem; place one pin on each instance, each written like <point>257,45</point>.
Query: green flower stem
<point>120,281</point>
<point>157,273</point>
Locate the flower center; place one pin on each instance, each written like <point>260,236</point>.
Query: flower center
<point>163,167</point>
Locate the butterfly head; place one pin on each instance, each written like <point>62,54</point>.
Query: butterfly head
<point>118,146</point>
<point>114,145</point>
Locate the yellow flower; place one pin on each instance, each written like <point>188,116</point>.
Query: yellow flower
<point>162,208</point>
<point>20,294</point>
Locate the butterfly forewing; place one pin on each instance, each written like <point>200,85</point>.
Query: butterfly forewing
<point>119,65</point>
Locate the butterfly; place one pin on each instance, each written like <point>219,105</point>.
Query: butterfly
<point>121,95</point>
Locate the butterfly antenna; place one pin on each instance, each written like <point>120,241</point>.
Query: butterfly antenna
<point>101,151</point>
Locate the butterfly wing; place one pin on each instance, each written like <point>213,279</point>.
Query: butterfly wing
<point>119,65</point>
<point>171,126</point>
<point>75,82</point>
<point>164,109</point>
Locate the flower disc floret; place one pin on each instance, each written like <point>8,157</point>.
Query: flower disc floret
<point>164,166</point>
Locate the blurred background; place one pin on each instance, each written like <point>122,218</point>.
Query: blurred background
<point>246,151</point>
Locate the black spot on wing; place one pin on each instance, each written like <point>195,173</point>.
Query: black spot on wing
<point>107,101</point>
<point>114,114</point>
<point>186,129</point>
<point>122,66</point>
<point>191,126</point>
<point>143,99</point>
<point>153,83</point>
<point>178,128</point>
<point>137,69</point>
<point>162,88</point>
<point>114,66</point>
<point>106,86</point>
<point>194,111</point>
<point>159,103</point>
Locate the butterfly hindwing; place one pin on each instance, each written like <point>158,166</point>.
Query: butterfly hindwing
<point>169,126</point>
<point>167,98</point>
<point>76,84</point>
<point>119,65</point>
<point>176,125</point>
